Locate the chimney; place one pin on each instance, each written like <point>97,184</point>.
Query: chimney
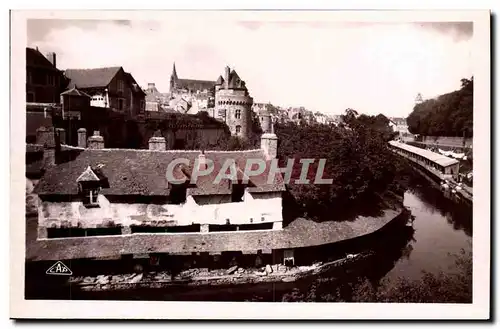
<point>157,144</point>
<point>227,70</point>
<point>50,139</point>
<point>61,133</point>
<point>46,137</point>
<point>269,144</point>
<point>82,137</point>
<point>266,122</point>
<point>52,58</point>
<point>96,141</point>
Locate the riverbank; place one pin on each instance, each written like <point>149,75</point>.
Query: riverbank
<point>203,276</point>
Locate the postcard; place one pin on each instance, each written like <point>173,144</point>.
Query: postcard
<point>250,164</point>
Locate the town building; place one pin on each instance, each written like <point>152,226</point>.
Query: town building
<point>44,82</point>
<point>189,95</point>
<point>400,126</point>
<point>155,100</point>
<point>263,110</point>
<point>183,131</point>
<point>109,87</point>
<point>73,103</point>
<point>325,119</point>
<point>90,190</point>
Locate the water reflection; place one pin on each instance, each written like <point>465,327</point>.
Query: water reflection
<point>432,200</point>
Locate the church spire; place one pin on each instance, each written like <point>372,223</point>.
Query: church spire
<point>174,73</point>
<point>173,79</point>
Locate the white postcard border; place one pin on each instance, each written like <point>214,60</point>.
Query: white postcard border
<point>479,309</point>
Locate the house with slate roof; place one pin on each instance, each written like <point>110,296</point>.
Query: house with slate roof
<point>109,87</point>
<point>91,191</point>
<point>44,81</point>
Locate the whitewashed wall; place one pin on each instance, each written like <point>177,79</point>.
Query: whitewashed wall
<point>256,209</point>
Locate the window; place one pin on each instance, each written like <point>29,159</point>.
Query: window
<point>121,85</point>
<point>237,114</point>
<point>90,196</point>
<point>120,103</point>
<point>142,105</point>
<point>238,130</point>
<point>51,80</point>
<point>29,78</point>
<point>237,193</point>
<point>178,193</point>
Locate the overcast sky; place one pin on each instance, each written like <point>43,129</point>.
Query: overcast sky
<point>326,67</point>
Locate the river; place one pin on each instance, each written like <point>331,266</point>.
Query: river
<point>441,228</point>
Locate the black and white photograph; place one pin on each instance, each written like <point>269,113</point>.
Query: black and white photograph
<point>261,158</point>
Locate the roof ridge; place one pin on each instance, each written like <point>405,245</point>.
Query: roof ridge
<point>187,79</point>
<point>158,151</point>
<point>95,68</point>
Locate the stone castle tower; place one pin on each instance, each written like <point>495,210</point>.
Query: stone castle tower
<point>233,103</point>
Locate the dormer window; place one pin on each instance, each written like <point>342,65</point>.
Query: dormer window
<point>89,195</point>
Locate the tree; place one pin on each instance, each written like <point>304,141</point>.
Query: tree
<point>255,131</point>
<point>357,160</point>
<point>448,115</point>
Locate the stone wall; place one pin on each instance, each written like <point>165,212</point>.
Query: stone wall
<point>447,141</point>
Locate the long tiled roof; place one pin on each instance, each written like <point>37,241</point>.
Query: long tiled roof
<point>300,233</point>
<point>91,78</point>
<point>143,172</point>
